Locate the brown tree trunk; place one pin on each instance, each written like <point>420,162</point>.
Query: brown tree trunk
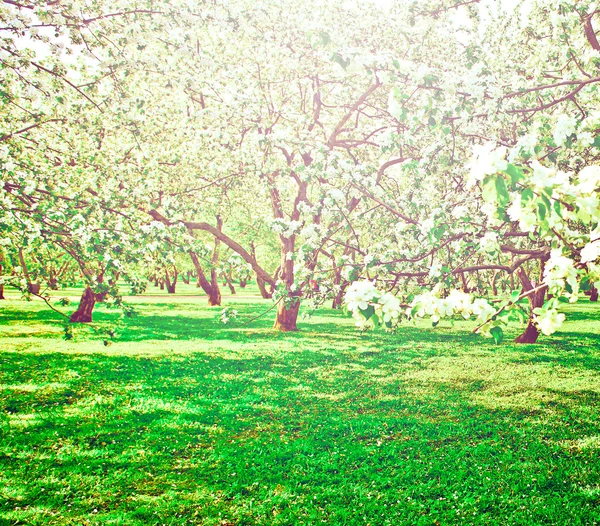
<point>593,293</point>
<point>214,299</point>
<point>493,280</point>
<point>212,289</point>
<point>229,283</point>
<point>1,271</point>
<point>287,317</point>
<point>262,287</point>
<point>535,300</point>
<point>161,284</point>
<point>338,300</point>
<point>243,283</point>
<point>33,288</point>
<point>530,335</point>
<point>83,314</point>
<point>171,284</point>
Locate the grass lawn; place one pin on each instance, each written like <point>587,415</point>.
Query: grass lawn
<point>186,421</point>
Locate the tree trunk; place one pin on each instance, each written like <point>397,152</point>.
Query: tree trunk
<point>229,283</point>
<point>535,300</point>
<point>212,289</point>
<point>83,314</point>
<point>33,288</point>
<point>1,271</point>
<point>214,299</point>
<point>262,286</point>
<point>338,299</point>
<point>530,335</point>
<point>161,284</point>
<point>493,280</point>
<point>287,316</point>
<point>171,284</point>
<point>593,293</point>
<point>243,283</point>
<point>465,283</point>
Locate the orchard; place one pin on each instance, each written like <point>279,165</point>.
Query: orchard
<point>405,193</point>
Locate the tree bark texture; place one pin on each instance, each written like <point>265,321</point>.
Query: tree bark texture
<point>287,317</point>
<point>211,289</point>
<point>83,314</point>
<point>535,300</point>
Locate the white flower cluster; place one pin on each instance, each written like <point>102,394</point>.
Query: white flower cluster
<point>560,272</point>
<point>285,228</point>
<point>364,300</point>
<point>523,212</point>
<point>548,320</point>
<point>489,243</point>
<point>228,314</point>
<point>565,127</point>
<point>456,303</point>
<point>487,160</point>
<point>591,252</point>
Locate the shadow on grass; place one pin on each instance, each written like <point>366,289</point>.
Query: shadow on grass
<point>306,436</point>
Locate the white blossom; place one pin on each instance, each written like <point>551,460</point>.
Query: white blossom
<point>487,159</point>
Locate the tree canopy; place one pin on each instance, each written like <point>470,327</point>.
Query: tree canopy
<point>433,158</point>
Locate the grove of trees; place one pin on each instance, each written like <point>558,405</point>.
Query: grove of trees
<point>407,158</point>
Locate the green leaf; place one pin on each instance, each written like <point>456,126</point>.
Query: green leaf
<point>516,175</point>
<point>547,201</point>
<point>369,312</point>
<point>517,315</point>
<point>526,195</point>
<point>503,197</point>
<point>439,232</point>
<point>497,334</point>
<point>596,143</point>
<point>336,57</point>
<point>541,210</point>
<point>489,192</point>
<point>558,208</point>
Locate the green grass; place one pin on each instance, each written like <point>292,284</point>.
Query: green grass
<point>186,421</point>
